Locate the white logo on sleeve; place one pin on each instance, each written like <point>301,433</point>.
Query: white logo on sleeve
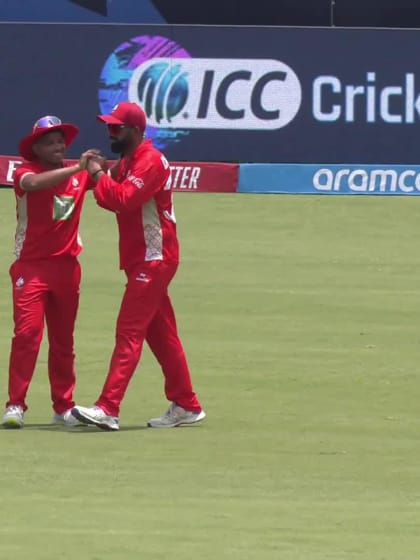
<point>143,277</point>
<point>19,282</point>
<point>137,182</point>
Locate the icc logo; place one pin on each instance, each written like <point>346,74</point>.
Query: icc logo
<point>161,94</point>
<point>162,90</point>
<point>247,94</point>
<point>179,93</point>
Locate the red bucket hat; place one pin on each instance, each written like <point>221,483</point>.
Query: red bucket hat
<point>126,113</point>
<point>42,126</point>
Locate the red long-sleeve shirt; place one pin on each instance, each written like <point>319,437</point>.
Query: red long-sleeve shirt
<point>141,197</point>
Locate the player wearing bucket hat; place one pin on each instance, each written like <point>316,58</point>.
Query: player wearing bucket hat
<point>43,126</point>
<point>46,273</point>
<point>139,192</point>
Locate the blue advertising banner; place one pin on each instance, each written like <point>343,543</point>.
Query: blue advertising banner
<point>228,94</point>
<point>329,179</point>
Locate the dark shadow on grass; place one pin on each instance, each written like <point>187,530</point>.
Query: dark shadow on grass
<point>43,427</point>
<point>91,429</point>
<point>95,430</point>
<point>79,429</point>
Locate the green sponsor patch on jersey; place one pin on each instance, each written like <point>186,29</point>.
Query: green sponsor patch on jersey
<point>63,207</point>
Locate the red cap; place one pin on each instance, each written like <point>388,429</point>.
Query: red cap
<point>43,126</point>
<point>126,113</point>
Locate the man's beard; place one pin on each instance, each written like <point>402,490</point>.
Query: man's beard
<point>119,146</point>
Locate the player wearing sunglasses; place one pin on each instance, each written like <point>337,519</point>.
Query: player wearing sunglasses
<point>139,191</point>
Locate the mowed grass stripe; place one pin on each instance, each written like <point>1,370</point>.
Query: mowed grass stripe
<point>299,316</point>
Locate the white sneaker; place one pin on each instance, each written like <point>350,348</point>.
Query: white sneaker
<point>66,419</point>
<point>13,417</point>
<point>96,416</point>
<point>175,416</point>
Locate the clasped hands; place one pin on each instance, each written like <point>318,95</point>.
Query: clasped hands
<point>93,161</point>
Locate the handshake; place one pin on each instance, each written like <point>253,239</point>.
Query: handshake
<point>92,161</point>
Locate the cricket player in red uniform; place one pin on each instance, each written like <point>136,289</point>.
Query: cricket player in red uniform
<point>138,190</point>
<point>46,273</point>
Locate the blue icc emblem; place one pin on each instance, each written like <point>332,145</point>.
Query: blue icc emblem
<point>162,89</point>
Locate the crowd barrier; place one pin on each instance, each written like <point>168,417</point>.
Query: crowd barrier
<point>186,176</point>
<point>277,178</point>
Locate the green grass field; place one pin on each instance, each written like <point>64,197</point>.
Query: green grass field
<point>300,316</point>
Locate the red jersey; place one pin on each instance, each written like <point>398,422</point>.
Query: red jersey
<point>142,199</point>
<point>48,219</point>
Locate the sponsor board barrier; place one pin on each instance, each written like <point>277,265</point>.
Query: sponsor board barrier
<point>329,179</point>
<point>186,176</point>
<point>277,178</point>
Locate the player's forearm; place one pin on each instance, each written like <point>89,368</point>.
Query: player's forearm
<point>118,196</point>
<point>107,193</point>
<point>113,171</point>
<point>38,181</point>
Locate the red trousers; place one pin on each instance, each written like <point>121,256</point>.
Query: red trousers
<point>146,313</point>
<point>49,290</point>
